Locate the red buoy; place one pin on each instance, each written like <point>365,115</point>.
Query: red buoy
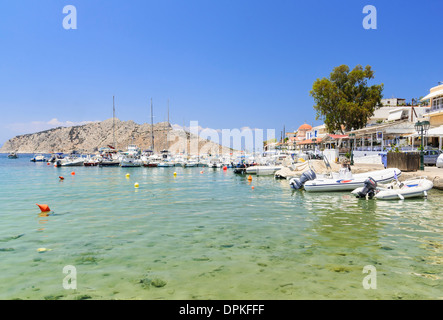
<point>43,207</point>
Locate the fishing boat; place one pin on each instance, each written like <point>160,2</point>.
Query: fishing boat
<point>411,188</point>
<point>343,181</point>
<point>38,158</point>
<point>13,155</point>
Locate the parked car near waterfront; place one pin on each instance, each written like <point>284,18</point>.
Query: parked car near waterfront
<point>439,162</point>
<point>430,157</point>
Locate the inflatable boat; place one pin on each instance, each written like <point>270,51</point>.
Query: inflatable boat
<point>350,181</point>
<point>412,188</point>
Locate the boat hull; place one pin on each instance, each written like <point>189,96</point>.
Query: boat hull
<point>411,189</point>
<point>326,185</point>
<point>125,164</point>
<point>71,164</point>
<point>262,170</point>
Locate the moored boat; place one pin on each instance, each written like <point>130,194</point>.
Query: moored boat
<point>109,162</point>
<point>411,188</point>
<point>70,162</point>
<point>91,161</point>
<point>344,181</point>
<point>263,170</point>
<point>56,156</point>
<point>38,158</point>
<point>12,155</point>
<point>131,158</point>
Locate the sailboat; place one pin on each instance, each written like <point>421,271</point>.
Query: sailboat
<point>110,157</point>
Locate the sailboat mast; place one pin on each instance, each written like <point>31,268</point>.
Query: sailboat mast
<point>167,132</point>
<point>152,128</point>
<point>113,122</point>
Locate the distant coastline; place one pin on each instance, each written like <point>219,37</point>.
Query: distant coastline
<point>89,138</point>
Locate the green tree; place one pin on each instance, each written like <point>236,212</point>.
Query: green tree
<point>344,101</point>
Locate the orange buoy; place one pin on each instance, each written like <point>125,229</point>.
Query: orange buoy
<point>73,173</point>
<point>201,171</point>
<point>252,187</point>
<point>48,163</point>
<point>61,178</point>
<point>225,168</point>
<point>250,178</point>
<point>43,207</point>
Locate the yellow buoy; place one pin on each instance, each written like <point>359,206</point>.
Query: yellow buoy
<point>250,178</point>
<point>175,173</point>
<point>136,185</point>
<point>128,175</point>
<point>43,250</point>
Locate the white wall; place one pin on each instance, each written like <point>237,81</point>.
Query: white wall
<point>330,154</point>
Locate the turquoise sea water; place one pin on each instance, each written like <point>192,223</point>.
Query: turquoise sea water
<point>207,236</point>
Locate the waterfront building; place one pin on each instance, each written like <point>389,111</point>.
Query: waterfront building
<point>435,97</point>
<point>393,102</point>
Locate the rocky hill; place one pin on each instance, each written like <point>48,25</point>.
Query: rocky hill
<point>90,137</point>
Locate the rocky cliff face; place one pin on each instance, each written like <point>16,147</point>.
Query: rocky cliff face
<point>90,137</point>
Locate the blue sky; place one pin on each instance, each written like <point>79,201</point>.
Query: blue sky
<point>224,63</point>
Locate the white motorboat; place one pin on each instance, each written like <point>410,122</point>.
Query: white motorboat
<point>152,161</point>
<point>70,162</point>
<point>411,188</point>
<point>130,161</point>
<point>166,164</point>
<point>263,170</point>
<point>109,162</point>
<point>179,161</point>
<point>56,156</point>
<point>131,158</point>
<point>38,158</point>
<point>92,161</point>
<point>343,181</point>
<point>191,163</point>
<point>215,163</point>
<point>13,155</point>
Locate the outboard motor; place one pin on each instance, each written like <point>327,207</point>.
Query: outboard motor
<point>369,188</point>
<point>298,183</point>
